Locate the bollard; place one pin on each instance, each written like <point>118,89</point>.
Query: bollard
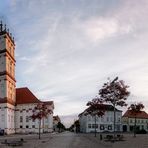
<point>100,136</point>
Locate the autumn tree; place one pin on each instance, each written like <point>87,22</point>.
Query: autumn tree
<point>115,93</point>
<point>135,109</point>
<point>96,108</point>
<point>40,112</point>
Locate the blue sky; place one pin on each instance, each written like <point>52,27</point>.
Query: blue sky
<point>66,49</point>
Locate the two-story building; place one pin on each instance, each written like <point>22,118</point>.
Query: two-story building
<point>104,123</point>
<point>128,121</point>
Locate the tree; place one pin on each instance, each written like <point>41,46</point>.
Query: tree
<point>96,108</point>
<point>40,112</point>
<point>77,126</point>
<point>60,126</point>
<point>135,109</point>
<point>114,92</point>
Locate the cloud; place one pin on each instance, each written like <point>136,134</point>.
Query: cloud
<point>66,51</point>
<point>68,120</point>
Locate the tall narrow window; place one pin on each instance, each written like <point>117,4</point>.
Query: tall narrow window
<point>21,119</point>
<point>27,119</point>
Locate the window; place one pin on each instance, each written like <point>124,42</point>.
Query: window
<point>102,119</point>
<point>89,118</point>
<point>3,117</point>
<point>46,120</point>
<point>110,127</point>
<point>89,125</point>
<point>107,119</point>
<point>93,118</point>
<point>33,126</point>
<point>93,125</point>
<point>8,118</point>
<point>27,119</point>
<point>21,119</point>
<point>11,118</point>
<point>21,126</point>
<point>27,126</point>
<point>97,118</point>
<point>101,127</point>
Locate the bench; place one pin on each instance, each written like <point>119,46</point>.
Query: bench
<point>15,143</point>
<point>112,138</point>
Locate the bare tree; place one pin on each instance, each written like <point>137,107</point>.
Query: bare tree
<point>114,92</point>
<point>135,109</point>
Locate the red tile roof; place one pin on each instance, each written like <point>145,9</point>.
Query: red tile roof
<point>25,96</point>
<point>141,114</point>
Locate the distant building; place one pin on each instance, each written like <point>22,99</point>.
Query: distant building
<point>16,105</point>
<point>104,123</point>
<point>56,120</point>
<point>128,121</point>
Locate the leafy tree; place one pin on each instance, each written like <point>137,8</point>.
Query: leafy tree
<point>60,126</point>
<point>96,108</point>
<point>40,112</point>
<point>135,109</point>
<point>114,92</point>
<point>77,125</point>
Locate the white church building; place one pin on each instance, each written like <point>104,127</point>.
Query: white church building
<point>16,104</point>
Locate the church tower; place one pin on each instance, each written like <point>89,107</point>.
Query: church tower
<point>7,80</point>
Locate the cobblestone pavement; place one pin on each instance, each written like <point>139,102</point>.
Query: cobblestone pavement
<point>72,140</point>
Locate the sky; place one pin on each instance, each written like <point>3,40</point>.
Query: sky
<point>66,49</point>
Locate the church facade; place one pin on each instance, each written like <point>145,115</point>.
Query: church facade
<point>16,104</point>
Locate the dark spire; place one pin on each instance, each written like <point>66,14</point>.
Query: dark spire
<point>5,27</point>
<point>1,26</point>
<point>8,30</point>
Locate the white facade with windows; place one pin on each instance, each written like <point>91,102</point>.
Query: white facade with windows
<point>24,124</point>
<point>104,123</point>
<point>128,121</point>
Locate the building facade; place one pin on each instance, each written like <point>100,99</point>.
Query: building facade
<point>128,121</point>
<point>56,120</point>
<point>16,105</point>
<point>104,123</point>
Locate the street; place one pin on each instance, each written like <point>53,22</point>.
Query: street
<point>73,140</point>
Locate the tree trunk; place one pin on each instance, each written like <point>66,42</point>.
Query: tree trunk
<point>39,128</point>
<point>114,118</point>
<point>135,127</point>
<point>95,126</point>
